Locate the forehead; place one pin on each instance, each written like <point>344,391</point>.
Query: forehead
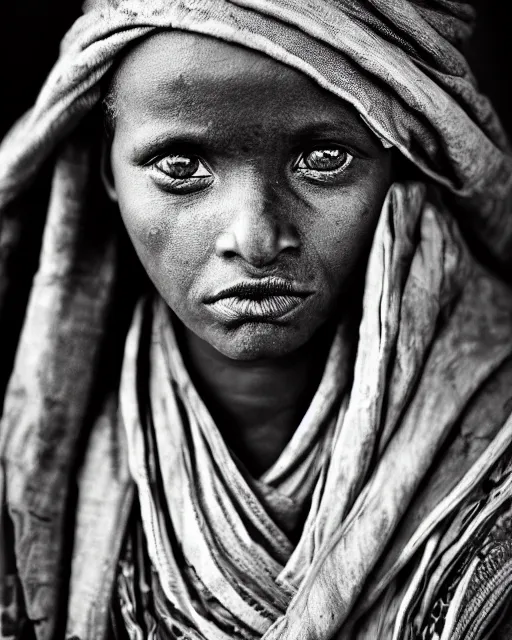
<point>175,76</point>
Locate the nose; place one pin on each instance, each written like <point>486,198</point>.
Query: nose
<point>257,231</point>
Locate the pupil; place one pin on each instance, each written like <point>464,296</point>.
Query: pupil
<point>182,167</point>
<point>325,159</point>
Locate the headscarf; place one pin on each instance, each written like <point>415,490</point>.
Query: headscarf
<point>223,560</point>
<point>398,62</point>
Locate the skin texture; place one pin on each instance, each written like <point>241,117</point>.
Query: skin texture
<point>261,203</point>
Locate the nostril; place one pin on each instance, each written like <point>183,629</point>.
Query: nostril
<point>226,245</point>
<point>289,249</point>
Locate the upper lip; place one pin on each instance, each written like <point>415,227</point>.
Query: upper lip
<point>258,289</point>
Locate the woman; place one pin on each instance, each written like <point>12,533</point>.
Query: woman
<point>308,433</point>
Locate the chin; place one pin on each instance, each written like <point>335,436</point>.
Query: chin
<point>258,341</point>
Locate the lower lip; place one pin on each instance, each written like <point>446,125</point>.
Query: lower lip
<point>246,309</point>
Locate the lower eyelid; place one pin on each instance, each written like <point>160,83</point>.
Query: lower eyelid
<point>321,178</point>
<point>181,185</point>
<point>166,176</point>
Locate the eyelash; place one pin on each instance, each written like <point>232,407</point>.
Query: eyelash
<point>184,185</point>
<point>203,176</point>
<point>325,175</point>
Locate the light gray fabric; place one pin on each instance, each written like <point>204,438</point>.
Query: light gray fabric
<point>372,456</point>
<point>398,63</point>
<point>232,549</point>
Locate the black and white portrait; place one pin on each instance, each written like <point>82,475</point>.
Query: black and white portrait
<point>256,321</point>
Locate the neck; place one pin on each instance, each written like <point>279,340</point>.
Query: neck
<point>256,405</point>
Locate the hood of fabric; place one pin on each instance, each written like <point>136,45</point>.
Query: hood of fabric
<point>365,445</point>
<point>397,62</point>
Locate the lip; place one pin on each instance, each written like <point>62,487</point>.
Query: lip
<point>257,300</point>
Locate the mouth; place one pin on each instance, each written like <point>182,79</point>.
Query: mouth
<point>257,300</point>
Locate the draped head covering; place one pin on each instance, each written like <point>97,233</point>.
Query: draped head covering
<point>399,63</point>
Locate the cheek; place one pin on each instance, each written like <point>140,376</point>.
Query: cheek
<point>342,232</point>
<point>171,249</point>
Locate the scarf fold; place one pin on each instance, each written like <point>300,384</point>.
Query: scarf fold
<point>398,63</point>
<point>221,560</point>
<point>221,521</point>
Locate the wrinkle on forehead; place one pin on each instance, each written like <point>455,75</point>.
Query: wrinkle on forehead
<point>185,80</point>
<point>180,61</point>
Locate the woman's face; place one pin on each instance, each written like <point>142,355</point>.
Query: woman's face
<point>249,193</point>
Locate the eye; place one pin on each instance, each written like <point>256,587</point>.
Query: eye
<point>323,163</point>
<point>181,173</point>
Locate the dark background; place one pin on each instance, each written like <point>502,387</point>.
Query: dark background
<point>30,31</point>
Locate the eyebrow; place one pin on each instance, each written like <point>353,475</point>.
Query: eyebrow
<point>358,130</point>
<point>149,141</point>
<point>145,145</point>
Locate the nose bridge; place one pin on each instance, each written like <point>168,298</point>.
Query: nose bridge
<point>255,209</point>
<point>256,229</point>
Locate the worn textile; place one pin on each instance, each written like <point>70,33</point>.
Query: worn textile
<point>399,64</point>
<point>231,530</point>
<point>222,561</point>
<point>397,61</point>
